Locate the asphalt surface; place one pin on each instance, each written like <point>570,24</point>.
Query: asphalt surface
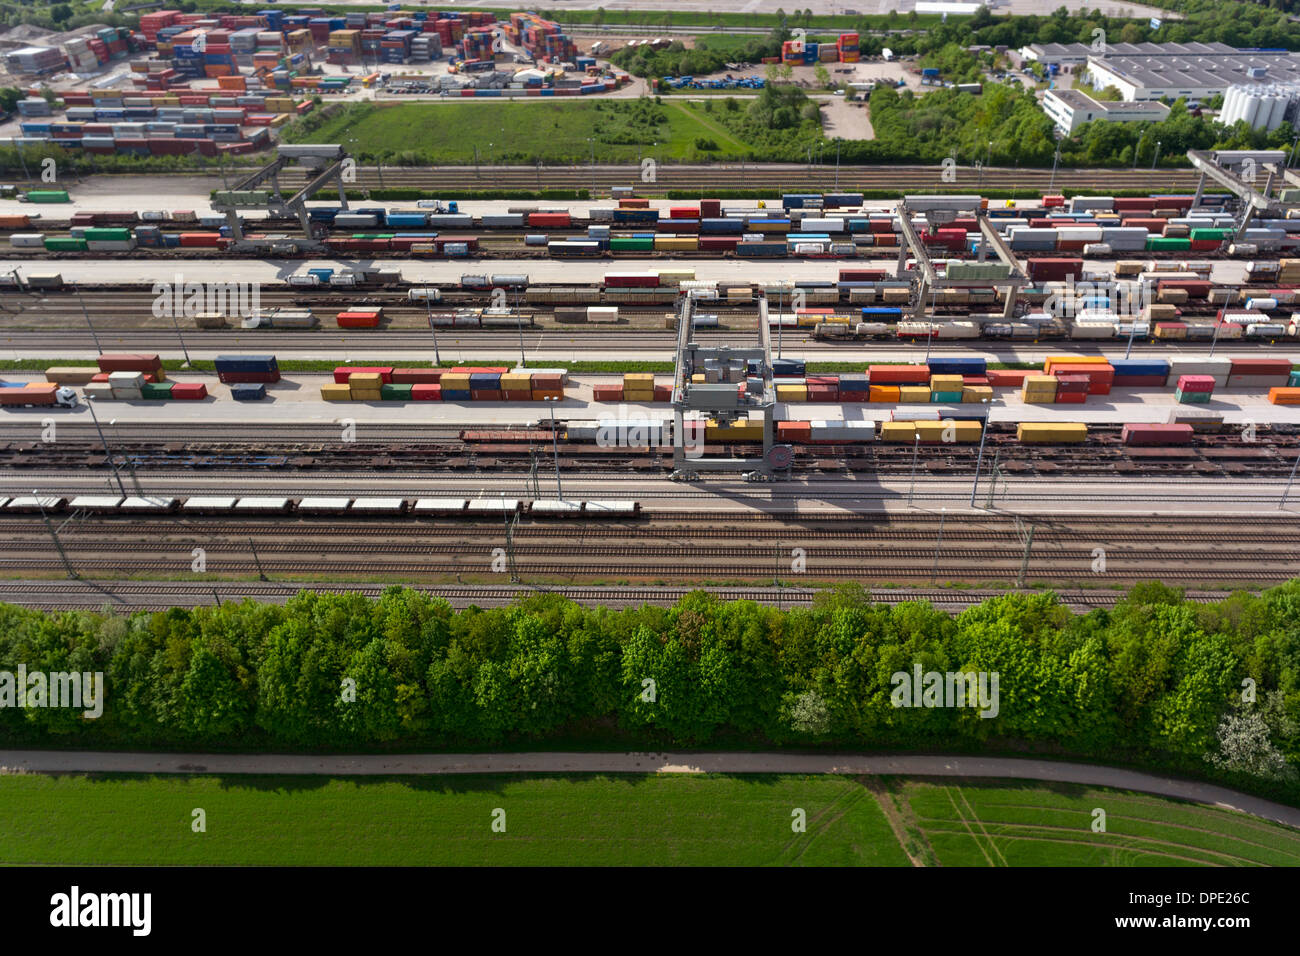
<point>46,761</point>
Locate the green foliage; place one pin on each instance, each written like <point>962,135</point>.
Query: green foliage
<point>1152,679</point>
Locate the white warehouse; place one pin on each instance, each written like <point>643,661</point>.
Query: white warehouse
<point>1070,109</point>
<point>1154,76</point>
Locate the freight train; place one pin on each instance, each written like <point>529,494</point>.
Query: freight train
<point>250,506</point>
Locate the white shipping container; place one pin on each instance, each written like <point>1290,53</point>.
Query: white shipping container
<point>27,240</point>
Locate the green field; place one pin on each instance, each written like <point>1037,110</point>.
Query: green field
<point>1030,825</point>
<point>610,820</point>
<point>549,131</point>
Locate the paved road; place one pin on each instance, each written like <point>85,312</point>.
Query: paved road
<point>45,761</point>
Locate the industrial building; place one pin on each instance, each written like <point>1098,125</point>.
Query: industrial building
<point>1070,109</point>
<point>1155,74</point>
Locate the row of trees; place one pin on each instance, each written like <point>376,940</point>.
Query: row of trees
<point>1155,679</point>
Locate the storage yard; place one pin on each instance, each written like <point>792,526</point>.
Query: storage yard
<point>927,390</point>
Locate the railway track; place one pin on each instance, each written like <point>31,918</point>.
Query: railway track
<point>780,178</point>
<point>973,550</point>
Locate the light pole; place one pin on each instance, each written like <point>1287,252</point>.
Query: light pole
<point>176,324</point>
<point>555,446</point>
<point>108,452</point>
<point>837,163</point>
<point>519,318</point>
<point>1286,491</point>
<point>1156,158</point>
<point>916,451</point>
<point>130,465</point>
<point>54,536</point>
<point>99,348</point>
<point>428,304</point>
<point>592,141</point>
<point>979,461</point>
<point>1138,147</point>
<point>1055,159</point>
<point>1214,339</point>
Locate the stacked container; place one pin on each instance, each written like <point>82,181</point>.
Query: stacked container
<point>126,386</point>
<point>1259,373</point>
<point>638,387</point>
<point>1039,389</point>
<point>1194,389</point>
<point>247,369</point>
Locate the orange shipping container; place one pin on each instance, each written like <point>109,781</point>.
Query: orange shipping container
<point>884,393</point>
<point>1284,396</point>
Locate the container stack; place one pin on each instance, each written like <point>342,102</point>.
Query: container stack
<point>946,389</point>
<point>1072,389</point>
<point>126,386</point>
<point>1259,373</point>
<point>1194,389</point>
<point>1039,389</point>
<point>150,365</point>
<point>247,369</point>
<point>638,387</point>
<point>366,386</point>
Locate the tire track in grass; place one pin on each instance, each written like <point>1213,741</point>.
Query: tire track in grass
<point>812,826</point>
<point>697,117</point>
<point>992,843</point>
<point>961,817</point>
<point>1153,821</point>
<point>855,796</point>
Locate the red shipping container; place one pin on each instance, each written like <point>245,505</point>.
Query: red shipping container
<point>862,275</point>
<point>200,239</point>
<point>607,393</point>
<point>516,395</point>
<point>101,377</point>
<point>823,393</point>
<point>1196,383</point>
<point>898,374</point>
<point>426,392</point>
<point>1130,380</point>
<point>558,219</point>
<point>130,362</point>
<point>413,376</point>
<point>1134,204</point>
<point>189,391</point>
<point>1157,435</point>
<point>485,394</point>
<point>683,212</point>
<point>710,208</point>
<point>1072,383</point>
<point>342,372</point>
<point>1205,245</point>
<point>718,243</point>
<point>358,320</point>
<point>794,431</point>
<point>1145,222</point>
<point>1053,270</point>
<point>1071,398</point>
<point>1195,288</point>
<point>1260,366</point>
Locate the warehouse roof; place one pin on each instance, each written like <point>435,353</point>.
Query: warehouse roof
<point>1213,71</point>
<point>1081,101</point>
<point>1050,50</point>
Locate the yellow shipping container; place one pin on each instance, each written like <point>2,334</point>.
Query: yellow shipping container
<point>1068,360</point>
<point>947,430</point>
<point>977,393</point>
<point>676,244</point>
<point>676,276</point>
<point>454,381</point>
<point>514,382</point>
<point>334,392</point>
<point>372,380</point>
<point>898,431</point>
<point>735,432</point>
<point>366,395</point>
<point>913,393</point>
<point>945,383</point>
<point>632,379</point>
<point>1057,433</point>
<point>697,378</point>
<point>792,393</point>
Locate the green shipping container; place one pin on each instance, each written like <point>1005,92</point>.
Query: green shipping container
<point>1294,380</point>
<point>1193,398</point>
<point>48,195</point>
<point>947,397</point>
<point>395,393</point>
<point>65,244</point>
<point>1157,243</point>
<point>628,244</point>
<point>158,391</point>
<point>106,235</point>
<point>1211,233</point>
<point>978,270</point>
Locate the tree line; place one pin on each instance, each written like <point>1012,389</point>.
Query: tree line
<point>1212,689</point>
